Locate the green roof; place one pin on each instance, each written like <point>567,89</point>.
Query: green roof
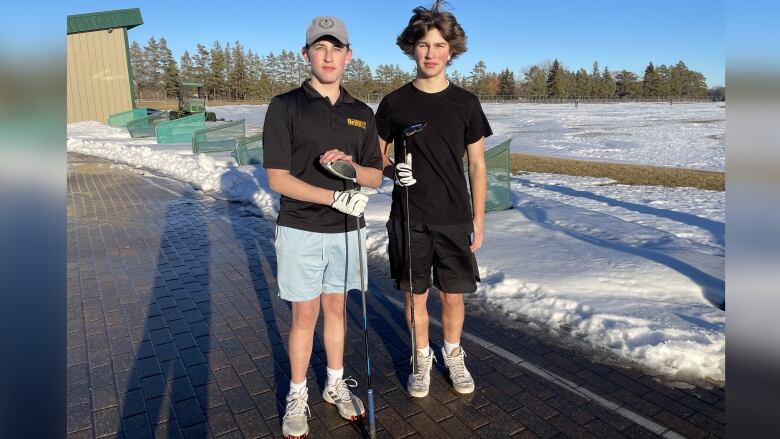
<point>128,18</point>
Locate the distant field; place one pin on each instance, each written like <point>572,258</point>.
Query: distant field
<point>622,173</point>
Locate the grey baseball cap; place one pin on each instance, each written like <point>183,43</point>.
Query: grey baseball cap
<point>323,25</point>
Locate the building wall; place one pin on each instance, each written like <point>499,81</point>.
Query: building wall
<point>98,77</point>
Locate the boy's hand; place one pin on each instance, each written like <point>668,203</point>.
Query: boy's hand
<point>403,172</point>
<point>352,202</point>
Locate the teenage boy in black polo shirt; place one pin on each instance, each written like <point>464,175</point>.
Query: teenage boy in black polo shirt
<point>445,229</point>
<point>316,237</point>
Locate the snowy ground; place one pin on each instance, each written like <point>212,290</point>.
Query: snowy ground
<point>636,270</point>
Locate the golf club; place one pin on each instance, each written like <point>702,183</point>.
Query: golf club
<point>346,171</point>
<point>409,131</point>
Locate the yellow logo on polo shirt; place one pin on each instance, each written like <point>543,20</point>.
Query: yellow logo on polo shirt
<point>356,123</point>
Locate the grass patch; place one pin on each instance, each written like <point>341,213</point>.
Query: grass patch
<point>622,173</point>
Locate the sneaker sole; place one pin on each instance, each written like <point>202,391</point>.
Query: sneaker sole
<point>418,393</point>
<point>330,400</point>
<point>296,436</point>
<point>464,391</point>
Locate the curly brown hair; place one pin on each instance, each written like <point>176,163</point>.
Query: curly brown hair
<point>423,20</point>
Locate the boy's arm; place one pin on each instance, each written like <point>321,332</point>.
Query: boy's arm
<point>388,168</point>
<point>478,181</point>
<point>281,181</point>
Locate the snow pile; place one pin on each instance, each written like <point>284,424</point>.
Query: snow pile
<point>201,171</point>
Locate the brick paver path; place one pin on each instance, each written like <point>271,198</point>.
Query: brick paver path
<point>175,330</point>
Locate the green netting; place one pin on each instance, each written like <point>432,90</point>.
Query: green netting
<point>499,195</point>
<point>180,130</point>
<point>121,119</point>
<point>249,150</point>
<point>222,137</point>
<point>144,126</point>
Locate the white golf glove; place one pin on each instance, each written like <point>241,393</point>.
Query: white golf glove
<point>403,172</point>
<point>352,202</point>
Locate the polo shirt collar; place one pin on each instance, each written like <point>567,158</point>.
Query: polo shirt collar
<point>311,93</point>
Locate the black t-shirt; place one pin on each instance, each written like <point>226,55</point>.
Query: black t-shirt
<point>299,126</point>
<point>455,120</point>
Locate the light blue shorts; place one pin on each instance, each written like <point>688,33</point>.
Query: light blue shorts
<point>311,263</point>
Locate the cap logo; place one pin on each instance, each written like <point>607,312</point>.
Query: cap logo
<point>326,23</point>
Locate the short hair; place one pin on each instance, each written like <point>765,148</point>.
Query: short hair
<point>423,20</point>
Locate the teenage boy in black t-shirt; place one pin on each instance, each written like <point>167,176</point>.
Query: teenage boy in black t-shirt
<point>316,237</point>
<point>445,229</point>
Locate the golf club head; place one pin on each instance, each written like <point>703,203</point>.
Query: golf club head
<point>413,128</point>
<point>342,169</point>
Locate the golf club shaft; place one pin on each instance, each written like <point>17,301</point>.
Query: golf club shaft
<point>411,287</point>
<point>371,419</point>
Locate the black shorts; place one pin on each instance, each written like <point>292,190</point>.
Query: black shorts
<point>441,249</point>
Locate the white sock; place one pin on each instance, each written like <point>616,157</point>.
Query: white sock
<point>448,347</point>
<point>426,351</point>
<point>296,388</point>
<point>333,375</point>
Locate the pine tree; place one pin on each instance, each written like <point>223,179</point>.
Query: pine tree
<point>627,84</point>
<point>170,75</point>
<point>556,81</point>
<point>650,82</point>
<point>215,80</point>
<point>138,64</point>
<point>187,72</point>
<point>479,81</point>
<point>456,78</point>
<point>202,61</point>
<point>506,83</point>
<point>238,77</point>
<point>581,83</point>
<point>357,78</point>
<point>664,75</point>
<point>595,81</point>
<point>153,67</point>
<point>535,84</point>
<point>608,84</point>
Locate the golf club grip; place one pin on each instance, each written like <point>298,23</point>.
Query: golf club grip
<point>371,418</point>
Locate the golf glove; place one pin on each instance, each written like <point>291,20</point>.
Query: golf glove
<point>403,172</point>
<point>352,202</point>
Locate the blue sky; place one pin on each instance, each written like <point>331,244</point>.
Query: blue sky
<point>505,34</point>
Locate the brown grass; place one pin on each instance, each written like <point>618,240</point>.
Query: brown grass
<point>622,173</point>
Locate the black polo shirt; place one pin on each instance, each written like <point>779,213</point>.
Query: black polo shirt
<point>299,126</point>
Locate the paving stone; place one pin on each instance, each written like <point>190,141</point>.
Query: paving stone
<point>680,425</point>
<point>106,421</point>
<point>78,418</point>
<point>251,424</point>
<point>467,413</point>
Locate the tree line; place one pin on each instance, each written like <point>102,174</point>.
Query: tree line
<point>232,72</point>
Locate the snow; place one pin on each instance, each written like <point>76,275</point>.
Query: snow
<point>635,270</point>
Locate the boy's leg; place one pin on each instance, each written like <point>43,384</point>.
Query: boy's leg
<point>299,275</point>
<point>341,274</point>
<point>453,313</point>
<point>455,273</point>
<point>333,329</point>
<point>304,318</point>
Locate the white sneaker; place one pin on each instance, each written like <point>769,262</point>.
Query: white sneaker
<point>350,406</point>
<point>295,423</point>
<point>462,381</point>
<point>418,384</point>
